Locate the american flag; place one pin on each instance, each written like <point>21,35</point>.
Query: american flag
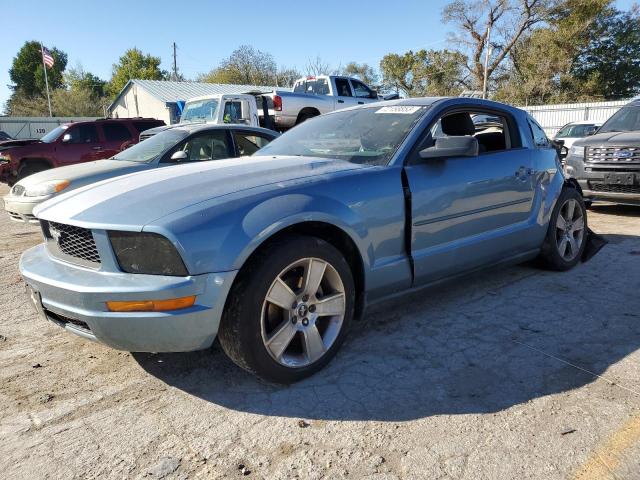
<point>47,57</point>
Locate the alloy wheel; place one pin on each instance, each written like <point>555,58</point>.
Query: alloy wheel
<point>303,312</point>
<point>570,229</point>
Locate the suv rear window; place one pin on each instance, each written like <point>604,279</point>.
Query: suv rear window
<point>115,132</point>
<point>141,126</point>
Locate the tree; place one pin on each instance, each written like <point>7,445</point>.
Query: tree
<point>499,22</point>
<point>317,66</point>
<point>134,64</point>
<point>79,79</point>
<point>27,70</point>
<point>245,66</point>
<point>610,62</point>
<point>541,62</point>
<point>424,73</point>
<point>286,77</point>
<point>362,71</point>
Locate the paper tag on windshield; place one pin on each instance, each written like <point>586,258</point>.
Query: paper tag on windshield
<point>403,109</point>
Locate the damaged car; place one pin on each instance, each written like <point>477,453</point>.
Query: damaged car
<point>278,253</point>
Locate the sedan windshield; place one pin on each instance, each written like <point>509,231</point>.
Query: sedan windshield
<point>627,119</point>
<point>364,135</point>
<point>151,148</point>
<point>53,135</point>
<point>200,111</point>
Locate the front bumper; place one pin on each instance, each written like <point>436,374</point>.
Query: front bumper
<point>21,208</point>
<point>74,298</point>
<point>591,178</point>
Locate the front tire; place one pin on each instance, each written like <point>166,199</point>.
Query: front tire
<point>289,310</point>
<point>29,168</point>
<point>567,232</point>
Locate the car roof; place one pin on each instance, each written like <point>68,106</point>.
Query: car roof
<point>114,120</point>
<point>197,127</point>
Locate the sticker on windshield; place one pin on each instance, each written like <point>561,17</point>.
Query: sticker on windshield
<point>404,109</point>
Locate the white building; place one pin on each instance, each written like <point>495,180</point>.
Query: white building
<point>164,99</point>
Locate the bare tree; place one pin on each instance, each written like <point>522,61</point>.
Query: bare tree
<point>494,24</point>
<point>317,66</point>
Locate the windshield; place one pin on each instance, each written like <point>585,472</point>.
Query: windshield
<point>152,147</point>
<point>202,110</point>
<point>627,119</point>
<point>365,135</point>
<point>575,131</point>
<point>53,135</point>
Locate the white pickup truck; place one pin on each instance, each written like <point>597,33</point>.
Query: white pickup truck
<point>218,109</point>
<point>315,95</point>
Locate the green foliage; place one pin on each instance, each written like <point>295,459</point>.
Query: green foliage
<point>134,65</point>
<point>27,70</point>
<point>78,79</point>
<point>362,71</point>
<point>609,65</point>
<point>245,66</point>
<point>424,73</point>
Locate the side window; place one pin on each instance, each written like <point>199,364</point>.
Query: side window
<point>116,132</point>
<point>248,143</point>
<point>342,87</point>
<point>540,139</point>
<point>83,134</point>
<point>361,90</point>
<point>205,146</point>
<point>492,133</point>
<point>232,112</point>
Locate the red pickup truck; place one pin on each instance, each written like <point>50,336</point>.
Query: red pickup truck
<point>70,143</point>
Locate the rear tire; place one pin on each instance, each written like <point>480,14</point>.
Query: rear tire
<point>567,232</point>
<point>279,323</point>
<point>29,168</point>
<point>303,117</point>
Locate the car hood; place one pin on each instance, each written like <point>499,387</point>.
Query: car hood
<point>612,138</point>
<point>130,202</point>
<point>84,173</point>
<point>7,144</point>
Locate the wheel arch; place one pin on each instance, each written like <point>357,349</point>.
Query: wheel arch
<point>335,235</point>
<point>307,111</point>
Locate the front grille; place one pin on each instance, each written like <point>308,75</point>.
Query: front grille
<point>17,190</point>
<point>601,187</point>
<point>613,155</point>
<point>73,241</point>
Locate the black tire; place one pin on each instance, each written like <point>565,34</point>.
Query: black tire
<point>29,168</point>
<point>240,333</point>
<point>587,203</point>
<point>303,117</point>
<point>550,256</point>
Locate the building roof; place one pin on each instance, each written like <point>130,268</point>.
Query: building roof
<point>171,92</point>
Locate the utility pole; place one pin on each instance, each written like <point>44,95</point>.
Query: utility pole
<point>175,63</point>
<point>487,53</point>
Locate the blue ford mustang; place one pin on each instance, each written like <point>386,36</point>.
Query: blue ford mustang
<point>277,253</point>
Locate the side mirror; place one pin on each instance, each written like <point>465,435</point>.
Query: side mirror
<point>66,138</point>
<point>179,156</point>
<point>466,146</point>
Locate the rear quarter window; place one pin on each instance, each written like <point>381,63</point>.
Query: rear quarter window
<point>540,139</point>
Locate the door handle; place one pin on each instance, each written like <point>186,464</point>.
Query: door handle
<point>360,103</point>
<point>340,101</point>
<point>96,148</point>
<point>524,172</point>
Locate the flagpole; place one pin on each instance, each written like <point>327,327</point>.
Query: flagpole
<point>46,80</point>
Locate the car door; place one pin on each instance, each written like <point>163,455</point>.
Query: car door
<point>344,95</point>
<point>247,142</point>
<point>116,137</point>
<point>362,93</point>
<point>80,143</point>
<point>213,144</point>
<point>467,212</point>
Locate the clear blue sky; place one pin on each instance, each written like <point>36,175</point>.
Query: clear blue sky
<point>96,33</point>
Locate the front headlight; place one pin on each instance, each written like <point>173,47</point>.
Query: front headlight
<point>577,151</point>
<point>46,188</point>
<point>146,253</point>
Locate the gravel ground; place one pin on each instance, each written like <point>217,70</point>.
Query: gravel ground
<point>514,374</point>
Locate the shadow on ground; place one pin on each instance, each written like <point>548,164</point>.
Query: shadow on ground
<point>479,345</point>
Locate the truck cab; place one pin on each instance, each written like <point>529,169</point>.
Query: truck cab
<point>221,108</point>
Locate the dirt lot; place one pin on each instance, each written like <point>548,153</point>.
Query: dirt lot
<point>508,375</point>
